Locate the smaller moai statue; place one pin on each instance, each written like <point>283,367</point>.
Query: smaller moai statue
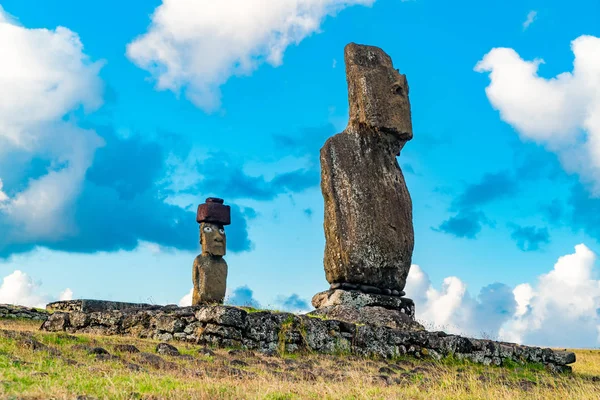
<point>209,273</point>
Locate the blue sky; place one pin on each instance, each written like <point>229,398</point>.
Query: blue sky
<point>496,200</point>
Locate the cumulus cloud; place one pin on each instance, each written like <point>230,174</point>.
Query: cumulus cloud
<point>293,303</point>
<point>491,187</point>
<point>186,300</point>
<point>221,174</point>
<point>197,45</point>
<point>529,238</point>
<point>561,309</point>
<point>74,189</point>
<point>468,221</point>
<point>20,289</point>
<point>454,310</point>
<point>466,224</point>
<point>3,196</point>
<point>562,113</point>
<point>242,296</point>
<point>65,295</point>
<point>531,16</point>
<point>44,76</point>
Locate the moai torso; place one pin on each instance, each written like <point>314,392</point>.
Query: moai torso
<point>368,210</point>
<point>209,273</point>
<point>210,279</point>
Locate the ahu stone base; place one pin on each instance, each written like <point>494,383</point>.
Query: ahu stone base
<point>367,308</point>
<point>273,332</point>
<point>10,311</point>
<point>95,305</point>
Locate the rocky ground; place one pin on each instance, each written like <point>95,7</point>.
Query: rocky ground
<point>42,365</point>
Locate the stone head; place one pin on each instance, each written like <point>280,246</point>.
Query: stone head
<point>377,93</point>
<point>213,238</point>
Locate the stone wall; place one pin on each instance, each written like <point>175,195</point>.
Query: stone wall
<point>271,332</point>
<point>14,312</point>
<point>94,305</point>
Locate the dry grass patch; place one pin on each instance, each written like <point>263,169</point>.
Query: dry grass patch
<point>40,365</point>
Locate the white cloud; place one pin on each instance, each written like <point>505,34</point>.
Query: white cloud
<point>197,45</point>
<point>3,196</point>
<point>65,295</point>
<point>186,300</point>
<point>562,113</point>
<point>562,309</point>
<point>453,309</point>
<point>18,288</point>
<point>45,76</point>
<point>531,16</point>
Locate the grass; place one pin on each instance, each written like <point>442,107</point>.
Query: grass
<point>62,368</point>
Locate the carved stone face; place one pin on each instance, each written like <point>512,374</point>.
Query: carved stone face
<point>213,239</point>
<point>377,93</point>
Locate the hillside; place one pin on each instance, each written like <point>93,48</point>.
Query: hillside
<point>39,365</point>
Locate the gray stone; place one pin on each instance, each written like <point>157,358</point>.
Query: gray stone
<point>126,348</point>
<point>14,311</point>
<point>166,349</point>
<point>369,235</point>
<point>358,299</point>
<point>374,315</point>
<point>56,322</point>
<point>94,305</point>
<point>222,315</point>
<point>564,357</point>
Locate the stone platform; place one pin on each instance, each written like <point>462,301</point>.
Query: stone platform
<point>367,308</point>
<point>10,311</point>
<point>273,332</point>
<point>95,305</point>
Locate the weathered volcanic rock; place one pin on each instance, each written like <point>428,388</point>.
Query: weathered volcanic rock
<point>359,299</point>
<point>368,210</point>
<point>374,315</point>
<point>13,311</point>
<point>273,332</point>
<point>94,305</point>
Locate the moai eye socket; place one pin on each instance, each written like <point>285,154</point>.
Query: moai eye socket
<point>221,231</point>
<point>207,229</point>
<point>398,90</point>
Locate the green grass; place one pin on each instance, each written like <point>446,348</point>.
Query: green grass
<point>50,373</point>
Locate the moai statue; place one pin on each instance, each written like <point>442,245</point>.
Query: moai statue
<point>369,236</point>
<point>368,210</point>
<point>209,273</point>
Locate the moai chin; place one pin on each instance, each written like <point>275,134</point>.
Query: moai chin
<point>368,209</point>
<point>209,273</point>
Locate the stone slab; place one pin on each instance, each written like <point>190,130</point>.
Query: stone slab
<point>357,299</point>
<point>373,315</point>
<point>94,305</point>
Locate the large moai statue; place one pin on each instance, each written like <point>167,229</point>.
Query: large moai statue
<point>369,236</point>
<point>209,273</point>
